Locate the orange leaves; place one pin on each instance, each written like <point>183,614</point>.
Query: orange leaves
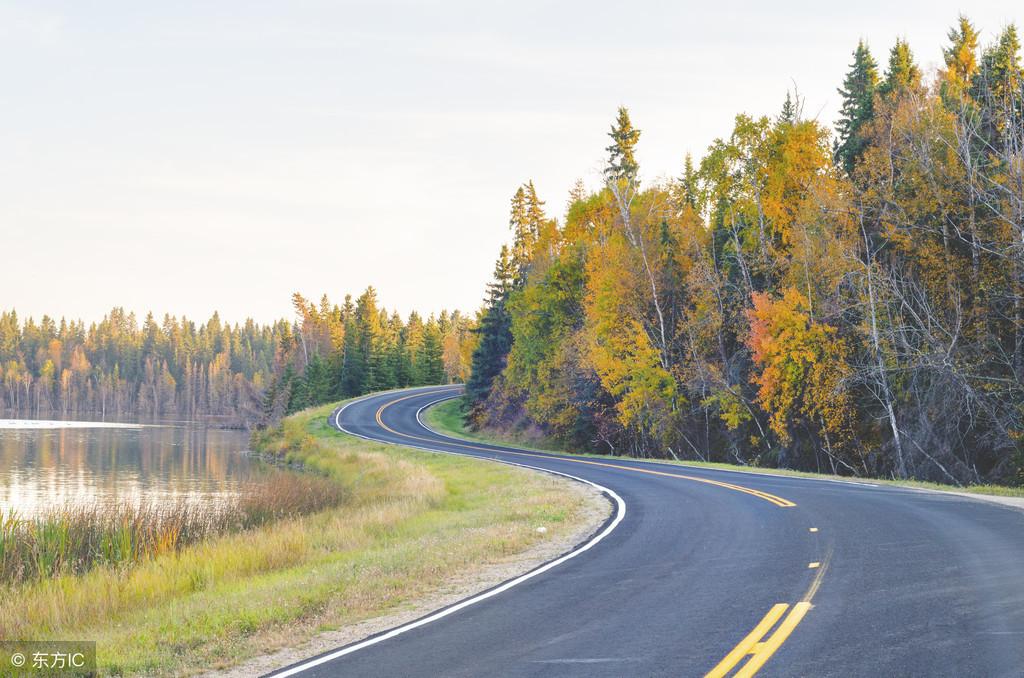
<point>802,364</point>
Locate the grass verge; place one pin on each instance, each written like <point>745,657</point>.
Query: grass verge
<point>447,417</point>
<point>408,521</point>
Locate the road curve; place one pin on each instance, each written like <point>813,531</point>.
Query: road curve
<point>721,573</point>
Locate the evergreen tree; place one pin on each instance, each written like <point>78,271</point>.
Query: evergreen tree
<point>999,88</point>
<point>577,193</point>
<point>622,165</point>
<point>298,394</point>
<point>902,74</point>
<point>495,332</point>
<point>788,114</point>
<point>523,236</point>
<point>961,59</point>
<point>431,354</point>
<point>687,189</point>
<point>317,381</point>
<point>858,93</point>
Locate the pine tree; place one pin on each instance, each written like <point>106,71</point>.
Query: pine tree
<point>902,74</point>
<point>858,93</point>
<point>495,332</point>
<point>622,165</point>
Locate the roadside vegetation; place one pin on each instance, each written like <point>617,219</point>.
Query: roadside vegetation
<point>450,418</point>
<point>404,521</point>
<point>847,300</point>
<point>74,540</point>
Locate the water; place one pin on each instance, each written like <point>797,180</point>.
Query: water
<point>61,463</point>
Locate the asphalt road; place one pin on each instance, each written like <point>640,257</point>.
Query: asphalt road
<point>721,571</point>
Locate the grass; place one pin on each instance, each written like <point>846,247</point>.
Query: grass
<point>447,417</point>
<point>409,520</point>
<point>73,540</point>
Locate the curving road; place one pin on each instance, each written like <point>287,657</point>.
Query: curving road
<point>721,573</point>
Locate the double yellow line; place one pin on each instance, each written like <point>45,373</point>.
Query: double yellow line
<point>771,498</point>
<point>759,651</point>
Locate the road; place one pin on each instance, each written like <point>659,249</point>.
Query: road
<point>710,572</point>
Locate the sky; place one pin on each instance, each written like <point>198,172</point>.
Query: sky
<point>188,157</point>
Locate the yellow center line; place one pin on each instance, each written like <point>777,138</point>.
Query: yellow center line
<point>768,647</point>
<point>750,643</point>
<point>760,651</point>
<point>778,501</point>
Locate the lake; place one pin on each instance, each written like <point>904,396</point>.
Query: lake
<point>59,463</point>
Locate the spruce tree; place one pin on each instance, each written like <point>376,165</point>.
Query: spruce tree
<point>495,332</point>
<point>788,114</point>
<point>961,59</point>
<point>431,354</point>
<point>622,165</point>
<point>858,94</point>
<point>902,75</point>
<point>687,189</point>
<point>522,237</point>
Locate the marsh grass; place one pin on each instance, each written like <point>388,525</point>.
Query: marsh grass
<point>73,540</point>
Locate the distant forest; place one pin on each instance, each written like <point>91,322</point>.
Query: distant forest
<point>850,302</point>
<point>246,374</point>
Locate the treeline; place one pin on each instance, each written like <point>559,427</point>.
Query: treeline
<point>343,351</point>
<point>851,302</point>
<point>247,374</point>
<point>118,366</point>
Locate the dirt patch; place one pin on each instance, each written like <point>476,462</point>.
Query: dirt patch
<point>594,510</point>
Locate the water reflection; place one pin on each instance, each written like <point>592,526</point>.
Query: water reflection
<point>42,468</point>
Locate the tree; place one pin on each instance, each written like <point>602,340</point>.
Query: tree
<point>494,332</point>
<point>687,191</point>
<point>902,74</point>
<point>523,235</point>
<point>961,59</point>
<point>622,166</point>
<point>857,110</point>
<point>431,354</point>
<point>802,366</point>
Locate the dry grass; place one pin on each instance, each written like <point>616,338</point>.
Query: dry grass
<point>409,520</point>
<point>73,540</point>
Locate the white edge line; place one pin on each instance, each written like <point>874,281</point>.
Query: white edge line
<point>620,514</point>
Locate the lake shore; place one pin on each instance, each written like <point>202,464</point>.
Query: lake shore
<point>415,528</point>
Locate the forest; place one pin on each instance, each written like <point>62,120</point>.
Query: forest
<point>245,375</point>
<point>848,301</point>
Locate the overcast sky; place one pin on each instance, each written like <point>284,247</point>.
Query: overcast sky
<point>191,156</point>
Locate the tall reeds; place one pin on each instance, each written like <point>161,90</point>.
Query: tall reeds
<point>72,540</point>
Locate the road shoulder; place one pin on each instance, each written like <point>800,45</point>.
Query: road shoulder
<point>594,511</point>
